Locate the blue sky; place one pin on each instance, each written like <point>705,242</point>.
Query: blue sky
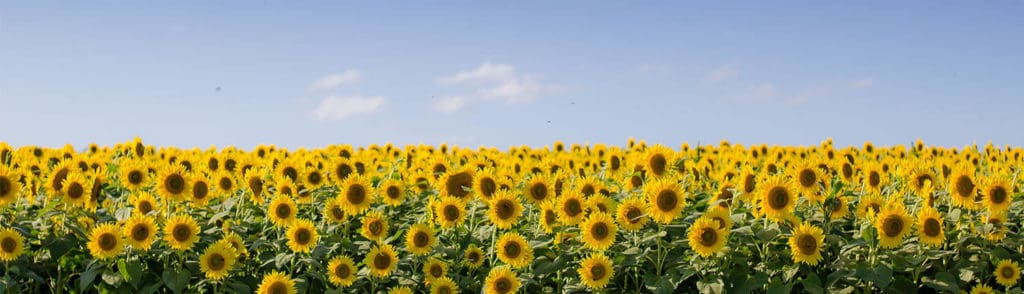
<point>472,73</point>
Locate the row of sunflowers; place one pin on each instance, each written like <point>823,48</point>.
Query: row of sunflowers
<point>639,218</point>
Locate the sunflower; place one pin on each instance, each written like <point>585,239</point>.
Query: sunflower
<point>538,189</point>
<point>334,211</point>
<point>999,227</point>
<point>513,250</point>
<point>225,181</point>
<point>666,200</point>
<point>419,239</point>
<point>485,184</point>
<point>873,177</point>
<point>400,290</point>
<point>806,243</point>
<point>630,214</point>
<point>217,260</point>
<point>355,195</point>
<point>706,237</point>
<point>443,286</point>
<point>12,244</point>
<point>929,227</point>
<point>501,280</point>
<point>236,242</point>
<point>312,178</point>
<point>173,182</point>
<point>869,206</point>
<point>982,289</point>
<point>808,176</point>
<point>596,271</point>
<point>893,225</point>
<point>255,184</point>
<point>341,271</point>
<point>285,187</point>
<point>277,283</point>
<point>375,226</point>
<point>963,187</point>
<point>777,197</point>
<point>458,184</point>
<point>77,189</point>
<point>1007,273</point>
<point>55,182</point>
<point>922,180</point>
<point>9,186</point>
<point>656,161</point>
<point>200,190</point>
<point>997,194</point>
<point>281,211</point>
<point>720,215</point>
<point>381,260</point>
<point>601,203</point>
<point>434,269</point>
<point>839,207</point>
<point>570,208</point>
<point>105,241</point>
<point>724,196</point>
<point>140,231</point>
<point>588,186</point>
<point>474,256</point>
<point>341,169</point>
<point>392,191</point>
<point>598,231</point>
<point>181,232</point>
<point>450,212</point>
<point>504,209</point>
<point>302,236</point>
<point>548,217</point>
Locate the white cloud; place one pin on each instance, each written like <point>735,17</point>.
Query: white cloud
<point>450,104</point>
<point>500,81</point>
<point>338,107</point>
<point>722,73</point>
<point>759,92</point>
<point>334,80</point>
<point>863,83</point>
<point>807,94</point>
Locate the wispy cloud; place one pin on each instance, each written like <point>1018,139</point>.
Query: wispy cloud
<point>335,80</point>
<point>494,82</point>
<point>722,73</point>
<point>808,93</point>
<point>862,83</point>
<point>759,92</point>
<point>450,104</point>
<point>342,107</point>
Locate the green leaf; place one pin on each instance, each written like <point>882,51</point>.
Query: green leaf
<point>177,280</point>
<point>750,284</point>
<point>777,287</point>
<point>943,281</point>
<point>812,284</point>
<point>89,275</point>
<point>880,275</point>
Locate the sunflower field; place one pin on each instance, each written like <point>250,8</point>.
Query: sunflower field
<point>639,218</point>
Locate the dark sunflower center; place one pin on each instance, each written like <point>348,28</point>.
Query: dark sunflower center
<point>997,195</point>
<point>599,231</point>
<point>200,190</point>
<point>1007,272</point>
<point>314,178</point>
<point>107,241</point>
<point>633,214</point>
<point>58,179</point>
<point>658,164</point>
<point>337,212</point>
<point>473,256</point>
<point>303,236</point>
<point>381,261</point>
<point>636,181</point>
<point>573,207</point>
<point>667,200</point>
<point>451,213</point>
<point>512,250</point>
<point>964,186</point>
<point>393,192</point>
<point>175,184</point>
<point>720,220</point>
<point>806,244</point>
<point>539,191</point>
<point>291,173</point>
<point>8,245</point>
<point>342,271</point>
<point>145,207</point>
<point>749,184</point>
<point>503,285</point>
<point>874,207</point>
<point>808,178</point>
<point>256,185</point>
<point>140,233</point>
<point>892,226</point>
<point>376,227</point>
<point>75,190</point>
<point>456,182</point>
<point>420,239</point>
<point>278,287</point>
<point>505,209</point>
<point>225,184</point>
<point>708,237</point>
<point>342,171</point>
<point>598,272</point>
<point>436,271</point>
<point>614,163</point>
<point>356,194</point>
<point>725,195</point>
<point>925,178</point>
<point>216,262</point>
<point>847,170</point>
<point>778,198</point>
<point>488,187</point>
<point>549,216</point>
<point>283,211</point>
<point>181,232</point>
<point>135,177</point>
<point>932,227</point>
<point>874,179</point>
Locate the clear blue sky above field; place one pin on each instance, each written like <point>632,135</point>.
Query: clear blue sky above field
<point>298,73</point>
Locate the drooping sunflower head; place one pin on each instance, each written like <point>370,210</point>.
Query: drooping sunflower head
<point>929,227</point>
<point>12,244</point>
<point>181,232</point>
<point>473,256</point>
<point>1007,273</point>
<point>375,226</point>
<point>596,271</point>
<point>504,209</point>
<point>706,237</point>
<point>217,260</point>
<point>450,212</point>
<point>501,280</point>
<point>893,225</point>
<point>778,197</point>
<point>282,210</point>
<point>302,236</point>
<point>666,200</point>
<point>806,243</point>
<point>105,241</point>
<point>140,231</point>
<point>513,250</point>
<point>277,283</point>
<point>381,260</point>
<point>598,231</point>
<point>341,271</point>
